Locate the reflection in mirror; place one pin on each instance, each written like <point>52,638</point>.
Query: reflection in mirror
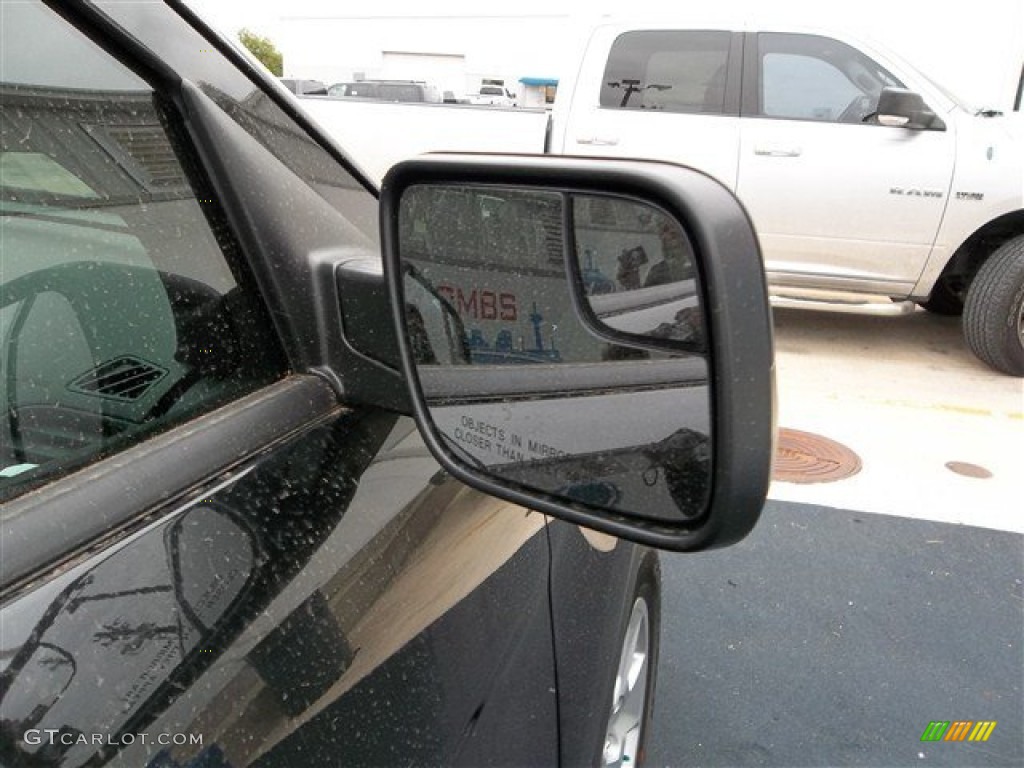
<point>436,332</point>
<point>585,379</point>
<point>129,622</point>
<point>638,271</point>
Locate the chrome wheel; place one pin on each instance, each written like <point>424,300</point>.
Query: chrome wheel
<point>622,739</point>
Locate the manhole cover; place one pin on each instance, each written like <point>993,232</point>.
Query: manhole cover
<point>803,457</point>
<point>968,470</point>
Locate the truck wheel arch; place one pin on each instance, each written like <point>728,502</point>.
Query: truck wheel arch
<point>955,280</point>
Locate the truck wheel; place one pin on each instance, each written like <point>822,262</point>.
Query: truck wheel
<point>994,310</point>
<point>632,705</point>
<point>945,299</point>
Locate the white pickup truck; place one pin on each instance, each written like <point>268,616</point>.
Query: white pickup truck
<point>866,181</point>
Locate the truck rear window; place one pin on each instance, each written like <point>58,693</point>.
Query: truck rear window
<point>667,70</point>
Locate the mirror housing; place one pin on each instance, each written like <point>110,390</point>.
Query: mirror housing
<point>900,108</point>
<point>712,460</point>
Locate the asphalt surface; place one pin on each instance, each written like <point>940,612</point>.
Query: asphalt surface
<point>832,637</point>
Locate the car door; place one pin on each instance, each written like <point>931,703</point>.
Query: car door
<point>663,94</point>
<point>837,201</point>
<point>210,557</point>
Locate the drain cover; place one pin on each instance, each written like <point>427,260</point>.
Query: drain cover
<point>968,470</point>
<point>803,457</point>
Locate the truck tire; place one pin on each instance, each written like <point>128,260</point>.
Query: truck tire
<point>994,311</point>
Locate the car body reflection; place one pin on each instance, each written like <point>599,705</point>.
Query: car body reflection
<point>256,614</point>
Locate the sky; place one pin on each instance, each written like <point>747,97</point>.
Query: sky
<point>976,49</point>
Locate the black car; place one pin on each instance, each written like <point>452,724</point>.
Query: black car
<point>305,87</point>
<point>296,471</point>
<point>386,90</point>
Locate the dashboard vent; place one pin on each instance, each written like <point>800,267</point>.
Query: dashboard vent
<point>144,153</point>
<point>125,378</point>
<point>148,146</point>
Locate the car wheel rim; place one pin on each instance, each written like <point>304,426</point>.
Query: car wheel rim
<point>622,740</point>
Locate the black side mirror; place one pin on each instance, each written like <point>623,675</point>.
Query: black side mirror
<point>900,108</point>
<point>613,365</point>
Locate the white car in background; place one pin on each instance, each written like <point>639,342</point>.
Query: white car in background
<point>493,96</point>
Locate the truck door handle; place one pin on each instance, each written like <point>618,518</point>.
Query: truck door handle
<point>598,141</point>
<point>769,151</point>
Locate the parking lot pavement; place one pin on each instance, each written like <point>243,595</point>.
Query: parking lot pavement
<point>832,637</point>
<point>908,398</point>
<point>861,610</point>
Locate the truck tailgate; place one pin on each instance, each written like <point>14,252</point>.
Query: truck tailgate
<point>382,133</point>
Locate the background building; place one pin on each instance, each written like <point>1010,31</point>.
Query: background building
<point>455,54</point>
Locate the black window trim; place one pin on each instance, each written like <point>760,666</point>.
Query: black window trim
<point>734,76</point>
<point>265,82</point>
<point>750,100</point>
<point>114,496</point>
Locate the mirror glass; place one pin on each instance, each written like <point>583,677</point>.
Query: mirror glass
<point>559,343</point>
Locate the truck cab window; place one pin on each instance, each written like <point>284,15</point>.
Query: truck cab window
<point>808,77</point>
<point>671,71</point>
<point>121,313</point>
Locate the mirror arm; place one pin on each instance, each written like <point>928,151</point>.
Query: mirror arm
<point>370,346</point>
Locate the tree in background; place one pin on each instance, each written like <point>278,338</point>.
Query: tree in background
<point>264,50</point>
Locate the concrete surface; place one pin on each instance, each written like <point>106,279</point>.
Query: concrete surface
<point>906,396</point>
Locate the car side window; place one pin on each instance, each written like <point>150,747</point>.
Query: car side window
<point>123,309</point>
<point>808,77</point>
<point>672,71</point>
